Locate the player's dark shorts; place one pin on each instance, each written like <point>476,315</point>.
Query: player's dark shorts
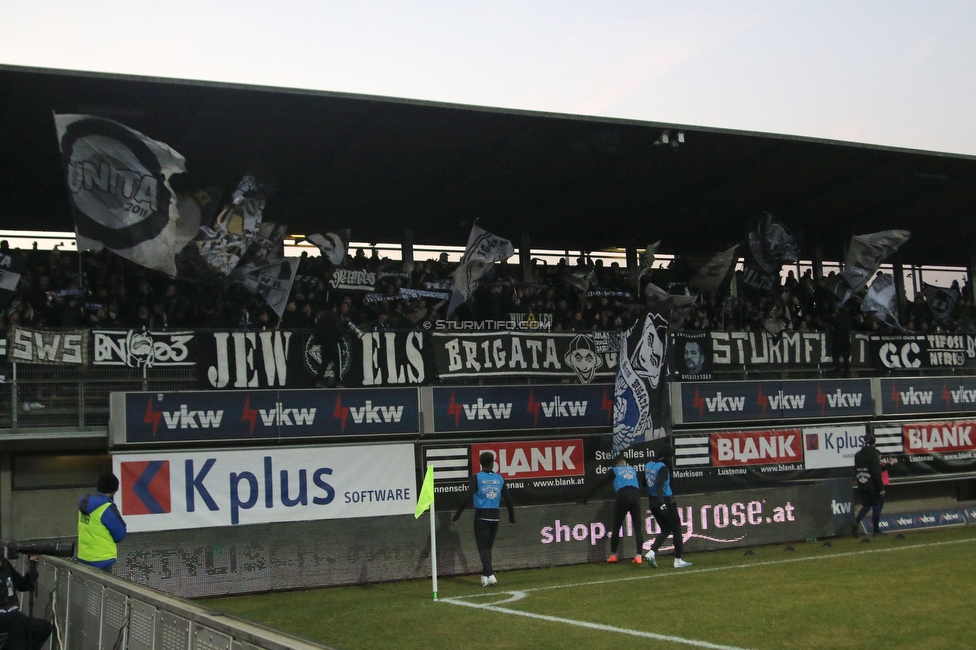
<point>871,498</point>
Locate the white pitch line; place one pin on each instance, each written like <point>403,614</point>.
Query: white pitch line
<point>515,596</point>
<point>593,626</point>
<point>648,576</point>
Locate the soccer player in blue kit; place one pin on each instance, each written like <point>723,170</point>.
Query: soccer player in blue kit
<point>628,500</point>
<point>658,477</point>
<point>487,489</point>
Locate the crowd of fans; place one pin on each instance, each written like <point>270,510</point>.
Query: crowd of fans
<point>103,290</point>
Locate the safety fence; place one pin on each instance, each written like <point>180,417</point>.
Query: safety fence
<point>94,610</point>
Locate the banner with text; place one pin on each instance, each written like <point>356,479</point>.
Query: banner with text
<point>584,356</point>
<point>142,349</point>
<point>505,408</point>
<point>924,395</point>
<point>61,347</point>
<point>263,415</point>
<point>917,351</point>
<point>200,489</point>
<point>734,401</point>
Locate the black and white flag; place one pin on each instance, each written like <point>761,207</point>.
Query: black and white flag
<point>864,257</point>
<point>711,276</point>
<point>272,281</point>
<point>882,301</point>
<point>640,410</point>
<point>9,279</point>
<point>119,183</point>
<point>333,245</point>
<point>647,257</point>
<point>769,247</point>
<point>482,251</point>
<point>941,301</point>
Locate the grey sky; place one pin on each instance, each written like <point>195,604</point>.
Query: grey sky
<point>894,73</point>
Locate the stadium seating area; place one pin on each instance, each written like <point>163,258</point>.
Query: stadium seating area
<point>107,291</point>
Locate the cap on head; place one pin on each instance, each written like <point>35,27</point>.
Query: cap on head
<point>108,483</point>
<point>487,460</point>
<point>869,439</point>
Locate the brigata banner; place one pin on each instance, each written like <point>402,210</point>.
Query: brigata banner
<point>926,395</point>
<point>142,349</point>
<point>584,356</point>
<point>201,489</point>
<point>772,400</point>
<point>501,408</point>
<point>61,347</point>
<point>916,351</point>
<point>261,415</point>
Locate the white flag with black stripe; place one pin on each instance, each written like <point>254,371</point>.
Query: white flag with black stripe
<point>119,184</point>
<point>483,250</point>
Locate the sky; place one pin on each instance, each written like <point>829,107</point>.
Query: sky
<point>890,73</point>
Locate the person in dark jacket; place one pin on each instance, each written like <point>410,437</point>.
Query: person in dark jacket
<point>867,466</point>
<point>657,474</point>
<point>487,490</point>
<point>14,623</point>
<point>328,333</point>
<point>627,488</point>
<point>100,525</point>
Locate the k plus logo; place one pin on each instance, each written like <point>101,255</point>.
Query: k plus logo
<point>183,418</point>
<point>145,487</point>
<point>813,441</point>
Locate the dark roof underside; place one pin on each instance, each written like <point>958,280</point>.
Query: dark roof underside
<point>379,165</point>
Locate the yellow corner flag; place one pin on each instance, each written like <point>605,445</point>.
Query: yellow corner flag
<point>426,496</point>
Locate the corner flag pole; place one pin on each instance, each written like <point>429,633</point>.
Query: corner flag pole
<point>433,551</point>
<point>425,501</point>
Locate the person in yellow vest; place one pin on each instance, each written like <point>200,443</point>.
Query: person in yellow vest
<point>100,525</point>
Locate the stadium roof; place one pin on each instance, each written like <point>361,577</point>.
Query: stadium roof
<point>378,165</point>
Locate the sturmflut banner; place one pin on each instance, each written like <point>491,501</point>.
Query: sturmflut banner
<point>201,489</point>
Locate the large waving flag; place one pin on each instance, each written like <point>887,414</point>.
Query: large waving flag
<point>882,301</point>
<point>119,183</point>
<point>640,410</point>
<point>333,245</point>
<point>713,275</point>
<point>864,257</point>
<point>483,250</point>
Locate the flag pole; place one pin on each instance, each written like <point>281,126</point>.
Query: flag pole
<point>433,550</point>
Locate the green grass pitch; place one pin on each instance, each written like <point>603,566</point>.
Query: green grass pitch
<point>918,592</point>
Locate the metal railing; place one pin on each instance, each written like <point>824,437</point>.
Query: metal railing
<point>94,610</point>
